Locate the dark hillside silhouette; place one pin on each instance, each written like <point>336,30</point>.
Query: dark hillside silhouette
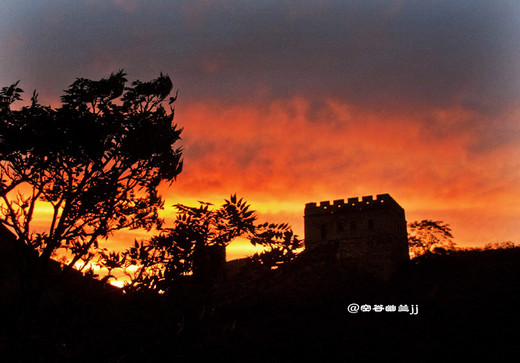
<point>467,303</point>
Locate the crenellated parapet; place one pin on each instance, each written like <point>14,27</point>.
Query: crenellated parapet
<point>353,204</point>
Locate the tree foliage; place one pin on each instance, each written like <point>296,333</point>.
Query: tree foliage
<point>196,234</point>
<point>95,162</point>
<point>280,244</point>
<point>429,236</point>
<point>504,245</point>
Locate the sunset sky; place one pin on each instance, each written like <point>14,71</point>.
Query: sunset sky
<point>290,102</point>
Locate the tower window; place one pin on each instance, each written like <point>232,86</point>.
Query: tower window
<point>352,226</point>
<point>370,224</point>
<point>323,231</point>
<point>340,227</point>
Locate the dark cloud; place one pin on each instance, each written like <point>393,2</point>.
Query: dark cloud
<point>393,56</point>
<point>383,53</point>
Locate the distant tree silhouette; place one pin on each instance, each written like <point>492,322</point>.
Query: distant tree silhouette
<point>500,245</point>
<point>96,162</point>
<point>155,264</point>
<point>429,236</point>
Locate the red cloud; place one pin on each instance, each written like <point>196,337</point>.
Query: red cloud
<point>283,154</point>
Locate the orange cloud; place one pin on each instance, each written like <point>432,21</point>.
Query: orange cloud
<point>283,154</point>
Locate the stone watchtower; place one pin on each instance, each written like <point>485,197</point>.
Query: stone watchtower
<point>368,235</point>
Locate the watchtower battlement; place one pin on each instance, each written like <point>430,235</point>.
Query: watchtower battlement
<point>368,233</point>
<point>354,204</point>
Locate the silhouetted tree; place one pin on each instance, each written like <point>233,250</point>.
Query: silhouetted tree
<point>280,244</point>
<point>428,236</point>
<point>500,245</point>
<point>95,162</point>
<point>195,245</point>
